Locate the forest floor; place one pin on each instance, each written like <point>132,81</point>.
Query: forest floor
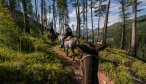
<point>74,65</point>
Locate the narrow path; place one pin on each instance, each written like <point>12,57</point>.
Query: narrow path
<point>103,79</point>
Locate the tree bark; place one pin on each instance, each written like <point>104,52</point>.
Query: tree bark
<point>99,16</point>
<point>42,15</point>
<point>77,19</point>
<point>84,20</point>
<point>36,9</point>
<point>98,28</point>
<point>54,15</point>
<point>79,22</point>
<point>87,20</point>
<point>10,5</point>
<point>25,18</point>
<point>122,45</point>
<point>92,23</point>
<point>134,18</point>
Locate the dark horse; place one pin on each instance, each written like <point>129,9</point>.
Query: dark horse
<point>89,62</point>
<point>53,36</point>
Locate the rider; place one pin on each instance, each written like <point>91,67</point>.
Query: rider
<point>68,32</point>
<point>51,28</point>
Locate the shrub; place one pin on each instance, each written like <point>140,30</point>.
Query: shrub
<point>25,58</point>
<point>120,66</point>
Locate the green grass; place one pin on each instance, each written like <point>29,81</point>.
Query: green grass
<point>33,67</point>
<point>120,66</point>
<point>26,58</point>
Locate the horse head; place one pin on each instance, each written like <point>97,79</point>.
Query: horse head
<point>89,62</point>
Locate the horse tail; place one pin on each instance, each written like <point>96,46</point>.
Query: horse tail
<point>76,41</point>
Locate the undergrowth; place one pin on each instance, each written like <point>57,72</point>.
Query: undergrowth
<point>121,67</point>
<point>26,58</point>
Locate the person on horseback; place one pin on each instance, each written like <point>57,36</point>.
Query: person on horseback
<point>51,28</point>
<point>68,32</point>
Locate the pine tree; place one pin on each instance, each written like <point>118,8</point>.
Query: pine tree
<point>133,49</point>
<point>91,5</point>
<point>124,15</point>
<point>100,10</point>
<point>105,23</point>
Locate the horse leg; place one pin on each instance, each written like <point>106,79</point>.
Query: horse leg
<point>81,69</point>
<point>73,52</point>
<point>64,49</point>
<point>81,55</point>
<point>67,52</point>
<point>51,38</point>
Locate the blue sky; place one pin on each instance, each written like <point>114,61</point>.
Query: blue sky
<point>113,16</point>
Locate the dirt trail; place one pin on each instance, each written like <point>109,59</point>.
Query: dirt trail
<point>103,79</point>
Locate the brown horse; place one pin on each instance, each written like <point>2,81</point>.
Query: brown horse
<point>89,62</point>
<point>53,37</point>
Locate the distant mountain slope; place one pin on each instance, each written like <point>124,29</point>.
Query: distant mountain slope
<point>115,29</point>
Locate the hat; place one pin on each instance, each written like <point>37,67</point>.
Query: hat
<point>66,24</point>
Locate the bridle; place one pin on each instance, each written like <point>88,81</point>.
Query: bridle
<point>87,55</point>
<point>81,60</point>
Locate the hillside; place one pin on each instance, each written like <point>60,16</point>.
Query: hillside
<point>32,24</point>
<point>34,59</point>
<point>114,29</point>
<point>25,58</point>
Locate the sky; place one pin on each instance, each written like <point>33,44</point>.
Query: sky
<point>113,15</point>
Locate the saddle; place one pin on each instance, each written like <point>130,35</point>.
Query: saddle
<point>69,38</point>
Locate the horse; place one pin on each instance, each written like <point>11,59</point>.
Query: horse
<point>70,42</point>
<point>53,37</point>
<point>89,62</point>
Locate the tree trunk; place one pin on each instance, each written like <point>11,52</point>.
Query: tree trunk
<point>105,23</point>
<point>27,29</point>
<point>143,46</point>
<point>49,11</point>
<point>63,25</point>
<point>79,22</point>
<point>6,2</point>
<point>134,18</point>
<point>59,22</point>
<point>42,18</point>
<point>99,16</point>
<point>73,28</point>
<point>77,27</point>
<point>10,5</point>
<point>83,32</point>
<point>54,15</point>
<point>24,21</point>
<point>36,9</point>
<point>92,23</point>
<point>87,20</point>
<point>122,45</point>
<point>98,28</point>
<point>3,2</point>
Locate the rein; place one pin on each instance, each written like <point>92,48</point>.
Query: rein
<point>81,61</point>
<point>88,56</point>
